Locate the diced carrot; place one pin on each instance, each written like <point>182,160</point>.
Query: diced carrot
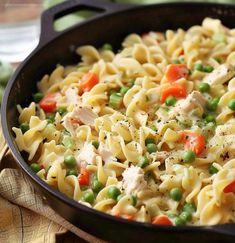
<point>88,81</point>
<point>182,52</point>
<point>230,187</point>
<point>162,219</point>
<point>176,71</point>
<point>194,141</point>
<point>84,177</point>
<point>48,102</point>
<point>175,90</point>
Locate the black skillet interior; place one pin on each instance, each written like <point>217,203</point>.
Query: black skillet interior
<point>112,24</point>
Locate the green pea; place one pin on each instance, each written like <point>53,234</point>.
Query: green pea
<point>72,172</point>
<point>143,161</point>
<point>113,192</point>
<point>179,221</point>
<point>210,118</point>
<point>189,156</point>
<point>124,89</point>
<point>35,167</point>
<point>70,161</point>
<point>170,101</point>
<point>212,169</point>
<point>208,69</point>
<point>204,87</point>
<point>89,197</point>
<point>134,200</point>
<point>212,104</point>
<point>61,110</point>
<point>149,140</point>
<point>231,104</point>
<point>107,46</point>
<point>37,97</point>
<point>120,197</point>
<point>176,194</point>
<point>198,67</point>
<point>96,144</point>
<point>151,148</point>
<point>176,61</point>
<point>189,207</point>
<point>186,216</point>
<point>97,186</point>
<point>24,127</point>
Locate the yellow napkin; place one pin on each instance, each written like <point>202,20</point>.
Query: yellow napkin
<point>24,214</point>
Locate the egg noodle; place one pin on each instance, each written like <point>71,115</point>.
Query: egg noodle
<point>147,133</point>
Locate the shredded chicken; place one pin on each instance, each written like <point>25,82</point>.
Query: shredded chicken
<point>87,154</point>
<point>79,115</point>
<point>70,124</point>
<point>133,180</point>
<point>86,115</point>
<point>220,75</point>
<point>193,100</point>
<point>105,153</point>
<point>72,96</point>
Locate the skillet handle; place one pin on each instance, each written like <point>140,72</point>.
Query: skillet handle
<point>47,19</point>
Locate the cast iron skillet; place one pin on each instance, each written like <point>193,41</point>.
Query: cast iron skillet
<point>112,24</point>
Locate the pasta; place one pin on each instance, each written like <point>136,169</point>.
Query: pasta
<point>146,133</point>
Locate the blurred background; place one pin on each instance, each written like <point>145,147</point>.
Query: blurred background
<point>20,28</point>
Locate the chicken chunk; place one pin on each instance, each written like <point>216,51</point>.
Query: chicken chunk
<point>72,96</point>
<point>70,124</point>
<point>133,180</point>
<point>105,153</point>
<point>193,100</point>
<point>79,115</point>
<point>87,154</point>
<point>220,75</point>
